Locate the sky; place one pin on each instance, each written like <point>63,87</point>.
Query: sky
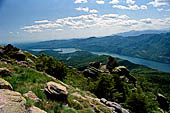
<point>40,20</point>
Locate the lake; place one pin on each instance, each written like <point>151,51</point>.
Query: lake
<point>151,64</point>
<point>60,50</point>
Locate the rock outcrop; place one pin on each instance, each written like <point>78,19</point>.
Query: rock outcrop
<point>34,109</point>
<point>163,102</point>
<point>91,72</point>
<point>4,72</point>
<point>113,106</point>
<point>56,91</point>
<point>123,72</point>
<point>95,64</point>
<point>5,85</point>
<point>32,96</point>
<point>11,102</point>
<point>13,53</point>
<point>111,63</point>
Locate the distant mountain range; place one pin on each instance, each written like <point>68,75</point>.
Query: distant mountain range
<point>137,33</point>
<point>154,47</point>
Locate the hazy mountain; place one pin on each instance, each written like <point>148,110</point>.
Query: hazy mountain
<point>148,46</point>
<point>137,33</point>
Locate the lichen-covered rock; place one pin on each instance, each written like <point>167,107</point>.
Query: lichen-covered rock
<point>34,109</point>
<point>4,72</point>
<point>5,85</point>
<point>56,91</point>
<point>11,102</point>
<point>91,72</point>
<point>123,72</point>
<point>32,96</point>
<point>115,107</point>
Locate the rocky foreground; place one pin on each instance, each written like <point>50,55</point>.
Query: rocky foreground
<point>23,89</point>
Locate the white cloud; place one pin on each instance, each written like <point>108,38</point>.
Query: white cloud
<point>59,29</point>
<point>130,7</point>
<point>33,30</point>
<point>158,3</point>
<point>100,1</point>
<point>93,11</point>
<point>80,1</point>
<point>42,21</point>
<point>95,21</point>
<point>114,2</point>
<point>147,20</point>
<point>114,16</point>
<point>85,9</point>
<point>130,1</point>
<point>160,9</point>
<point>143,7</point>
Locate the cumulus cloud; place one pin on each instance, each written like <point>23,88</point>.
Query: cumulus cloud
<point>158,3</point>
<point>80,1</point>
<point>85,9</point>
<point>130,1</point>
<point>130,7</point>
<point>93,11</point>
<point>146,21</point>
<point>114,16</point>
<point>114,2</point>
<point>160,9</point>
<point>42,21</point>
<point>100,1</point>
<point>92,21</point>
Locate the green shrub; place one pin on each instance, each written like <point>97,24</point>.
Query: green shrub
<point>51,66</point>
<point>138,102</point>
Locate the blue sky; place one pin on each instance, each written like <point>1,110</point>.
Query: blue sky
<point>38,20</point>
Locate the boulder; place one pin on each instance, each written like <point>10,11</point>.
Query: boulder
<point>32,96</point>
<point>103,100</point>
<point>5,85</point>
<point>103,69</point>
<point>91,72</point>
<point>111,63</point>
<point>123,72</point>
<point>115,107</point>
<point>34,109</point>
<point>163,102</point>
<point>11,102</point>
<point>19,56</point>
<point>56,91</point>
<point>95,64</point>
<point>4,72</point>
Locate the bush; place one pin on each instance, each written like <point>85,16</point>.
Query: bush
<point>51,66</point>
<point>138,102</point>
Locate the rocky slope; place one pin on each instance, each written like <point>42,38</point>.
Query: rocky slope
<point>24,89</point>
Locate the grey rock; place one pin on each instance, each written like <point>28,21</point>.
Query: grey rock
<point>34,109</point>
<point>5,85</point>
<point>11,102</point>
<point>4,72</point>
<point>56,91</point>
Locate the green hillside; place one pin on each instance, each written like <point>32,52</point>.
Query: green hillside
<point>154,47</point>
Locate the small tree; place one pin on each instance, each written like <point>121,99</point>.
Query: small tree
<point>51,66</point>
